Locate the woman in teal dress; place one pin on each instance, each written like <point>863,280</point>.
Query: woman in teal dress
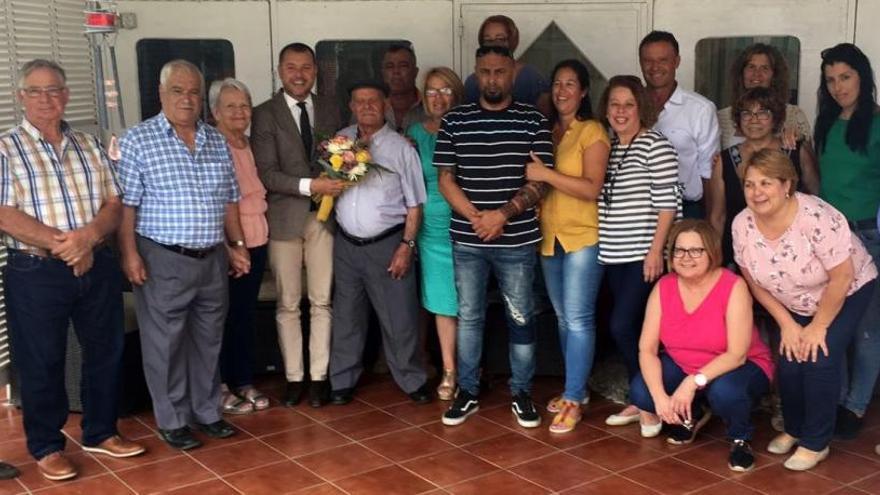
<point>442,91</point>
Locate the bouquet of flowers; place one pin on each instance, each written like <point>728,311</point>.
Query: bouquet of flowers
<point>344,159</point>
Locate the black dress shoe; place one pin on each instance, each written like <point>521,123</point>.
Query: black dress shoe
<point>421,395</point>
<point>7,471</point>
<point>293,394</point>
<point>342,396</point>
<point>217,429</point>
<point>180,438</point>
<point>318,395</point>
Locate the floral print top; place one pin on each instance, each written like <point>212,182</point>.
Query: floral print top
<point>794,267</point>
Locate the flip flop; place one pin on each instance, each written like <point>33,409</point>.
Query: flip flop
<point>233,404</point>
<point>254,397</point>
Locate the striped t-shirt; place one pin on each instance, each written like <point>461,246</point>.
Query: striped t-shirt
<point>641,180</point>
<point>489,150</point>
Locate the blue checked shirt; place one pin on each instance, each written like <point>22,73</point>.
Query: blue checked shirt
<point>180,196</point>
<point>64,192</point>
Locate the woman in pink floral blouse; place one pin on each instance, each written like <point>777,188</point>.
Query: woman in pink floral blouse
<point>815,278</point>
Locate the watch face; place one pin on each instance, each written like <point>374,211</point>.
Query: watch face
<point>700,380</point>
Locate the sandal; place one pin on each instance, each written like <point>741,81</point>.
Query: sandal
<point>233,404</point>
<point>254,397</point>
<point>555,404</point>
<point>567,418</point>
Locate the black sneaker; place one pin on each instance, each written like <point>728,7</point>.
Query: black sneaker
<point>524,409</point>
<point>686,433</point>
<point>848,424</point>
<point>463,406</point>
<point>741,458</point>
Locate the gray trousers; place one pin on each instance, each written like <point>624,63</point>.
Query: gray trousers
<point>360,276</point>
<point>181,310</point>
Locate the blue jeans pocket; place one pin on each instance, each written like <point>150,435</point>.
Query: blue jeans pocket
<point>24,263</point>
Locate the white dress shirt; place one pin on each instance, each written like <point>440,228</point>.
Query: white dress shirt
<point>690,122</point>
<point>304,184</point>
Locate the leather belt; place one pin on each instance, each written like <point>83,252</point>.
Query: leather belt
<point>864,224</point>
<point>364,241</point>
<point>192,253</point>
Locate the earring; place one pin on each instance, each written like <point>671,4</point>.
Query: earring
<point>787,195</point>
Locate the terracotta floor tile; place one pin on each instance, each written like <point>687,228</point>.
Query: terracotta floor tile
<point>342,462</point>
<point>418,414</point>
<point>503,415</point>
<point>559,471</point>
<point>615,453</point>
<point>99,485</point>
<point>509,450</point>
<point>473,430</point>
<point>776,479</point>
<point>165,475</point>
<point>382,394</point>
<point>282,477</point>
<point>305,440</point>
<point>86,465</point>
<point>213,487</point>
<point>15,451</point>
<point>366,425</point>
<point>389,480</point>
<point>659,442</point>
<point>11,487</point>
<point>406,444</point>
<point>712,456</point>
<point>500,483</point>
<point>325,489</point>
<point>845,467</point>
<point>870,485</point>
<point>611,485</point>
<point>863,445</point>
<point>848,490</point>
<point>727,487</point>
<point>269,421</point>
<point>331,412</point>
<point>237,457</point>
<point>582,434</point>
<point>452,466</point>
<point>157,450</point>
<point>133,429</point>
<point>11,428</point>
<point>670,476</point>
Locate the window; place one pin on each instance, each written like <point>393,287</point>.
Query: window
<point>215,58</point>
<point>715,56</point>
<point>344,62</point>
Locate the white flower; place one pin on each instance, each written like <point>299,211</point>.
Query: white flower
<point>334,148</point>
<point>357,172</point>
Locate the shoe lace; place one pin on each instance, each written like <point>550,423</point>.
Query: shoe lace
<point>524,403</point>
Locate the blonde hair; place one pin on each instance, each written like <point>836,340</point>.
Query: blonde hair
<point>711,240</point>
<point>775,164</point>
<point>449,77</point>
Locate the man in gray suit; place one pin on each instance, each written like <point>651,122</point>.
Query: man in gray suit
<point>284,133</point>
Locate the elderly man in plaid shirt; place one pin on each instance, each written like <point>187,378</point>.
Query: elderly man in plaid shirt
<point>58,202</point>
<point>180,195</point>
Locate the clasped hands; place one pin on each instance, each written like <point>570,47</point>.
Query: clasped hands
<point>802,343</point>
<point>487,224</point>
<point>75,247</point>
<point>675,409</point>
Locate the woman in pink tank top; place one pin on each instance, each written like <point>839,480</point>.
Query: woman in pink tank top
<point>712,355</point>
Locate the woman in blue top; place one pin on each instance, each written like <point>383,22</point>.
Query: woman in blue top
<point>442,91</point>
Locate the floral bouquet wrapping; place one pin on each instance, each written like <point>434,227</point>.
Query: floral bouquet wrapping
<point>344,159</point>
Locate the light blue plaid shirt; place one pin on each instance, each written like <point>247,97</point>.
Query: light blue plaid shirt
<point>181,196</point>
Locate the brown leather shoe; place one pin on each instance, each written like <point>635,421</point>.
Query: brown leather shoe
<point>56,467</point>
<point>116,446</point>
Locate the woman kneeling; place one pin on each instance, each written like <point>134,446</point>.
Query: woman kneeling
<point>702,314</point>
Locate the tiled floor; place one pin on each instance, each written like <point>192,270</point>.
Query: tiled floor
<point>383,444</point>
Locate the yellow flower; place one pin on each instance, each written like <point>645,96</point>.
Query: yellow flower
<point>362,156</point>
<point>336,162</point>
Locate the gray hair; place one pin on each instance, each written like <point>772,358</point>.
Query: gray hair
<point>217,87</point>
<point>40,63</point>
<point>180,64</point>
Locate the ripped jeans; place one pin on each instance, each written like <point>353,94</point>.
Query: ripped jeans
<point>515,270</point>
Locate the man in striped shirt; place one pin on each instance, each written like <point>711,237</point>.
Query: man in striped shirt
<point>481,155</point>
<point>58,202</point>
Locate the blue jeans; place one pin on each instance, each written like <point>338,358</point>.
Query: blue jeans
<point>515,270</point>
<point>864,356</point>
<point>573,281</point>
<point>809,390</point>
<point>42,297</point>
<point>730,395</point>
<point>237,351</point>
<point>629,296</point>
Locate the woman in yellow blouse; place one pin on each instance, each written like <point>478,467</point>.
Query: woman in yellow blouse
<point>570,225</point>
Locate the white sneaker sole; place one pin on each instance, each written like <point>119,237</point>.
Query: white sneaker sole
<point>524,422</point>
<point>457,421</point>
<point>97,450</point>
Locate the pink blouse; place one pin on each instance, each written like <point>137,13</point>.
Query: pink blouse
<point>794,267</point>
<point>252,206</point>
<point>694,339</point>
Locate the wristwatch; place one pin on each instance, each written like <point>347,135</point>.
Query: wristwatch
<point>409,242</point>
<point>237,243</point>
<point>701,380</point>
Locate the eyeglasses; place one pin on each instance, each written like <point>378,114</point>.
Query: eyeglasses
<point>693,253</point>
<point>498,40</point>
<point>50,91</point>
<point>439,91</point>
<point>761,115</point>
